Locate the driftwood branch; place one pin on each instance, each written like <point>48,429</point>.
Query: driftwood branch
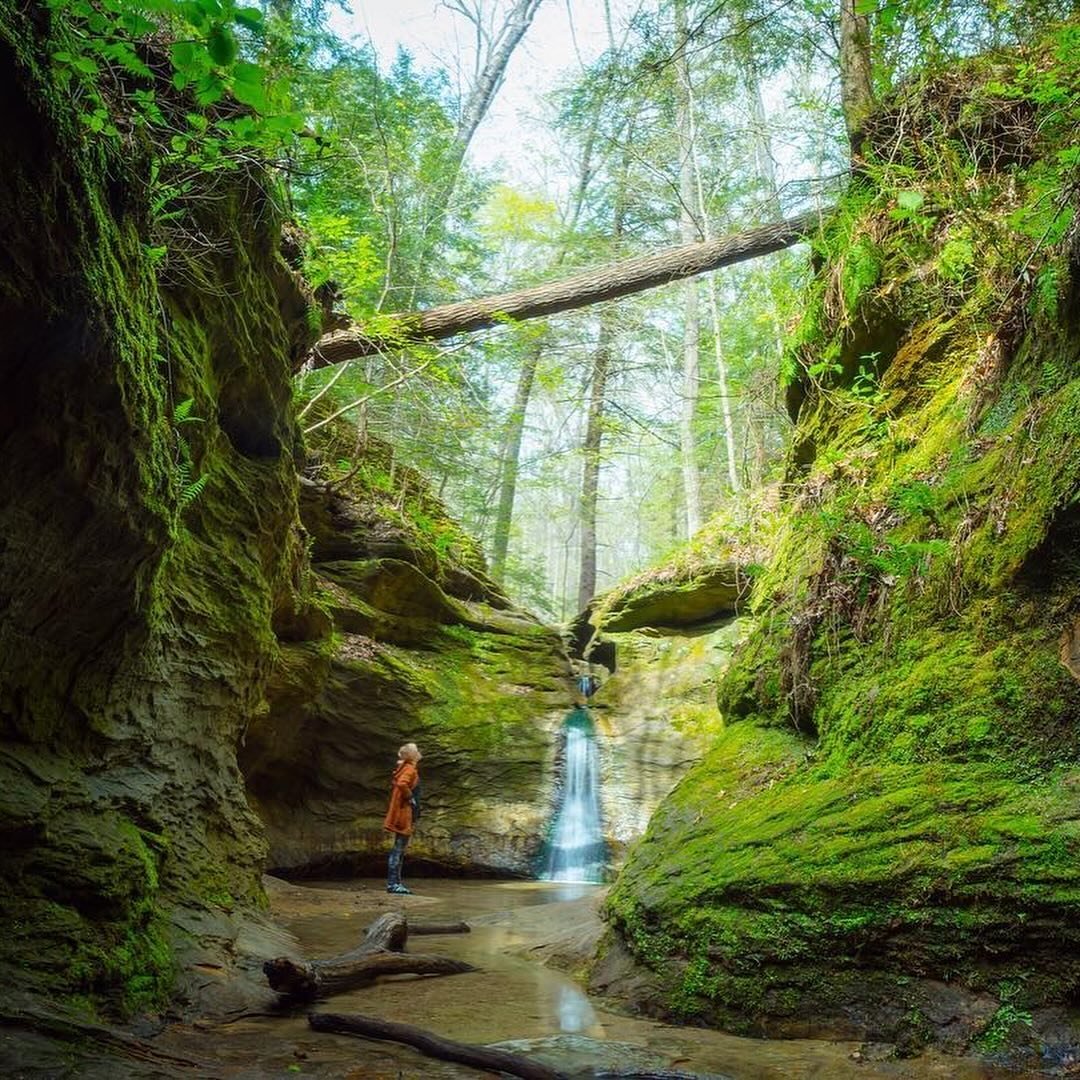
<point>480,1057</point>
<point>380,953</point>
<point>580,290</point>
<point>439,928</point>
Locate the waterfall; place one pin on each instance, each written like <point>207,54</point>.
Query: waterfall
<point>576,851</point>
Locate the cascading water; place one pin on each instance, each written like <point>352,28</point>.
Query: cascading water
<point>577,851</point>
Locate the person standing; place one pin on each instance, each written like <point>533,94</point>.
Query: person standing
<point>404,789</point>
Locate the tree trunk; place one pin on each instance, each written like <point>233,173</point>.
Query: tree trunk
<point>416,928</point>
<point>856,79</point>
<point>689,232</point>
<point>380,953</point>
<point>427,1042</point>
<point>698,192</point>
<point>594,425</point>
<point>590,472</point>
<point>481,94</point>
<point>515,428</point>
<point>760,142</point>
<point>515,425</point>
<point>764,161</point>
<point>622,278</point>
<point>490,78</point>
<point>688,409</point>
<point>725,391</point>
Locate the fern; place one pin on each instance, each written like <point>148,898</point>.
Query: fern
<point>190,492</point>
<point>189,485</point>
<point>1052,377</point>
<point>182,413</point>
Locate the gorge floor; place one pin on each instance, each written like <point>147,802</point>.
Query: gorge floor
<point>512,997</point>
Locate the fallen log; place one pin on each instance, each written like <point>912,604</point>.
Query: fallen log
<point>389,931</point>
<point>586,287</point>
<point>325,978</point>
<point>439,928</point>
<point>427,1042</point>
<point>380,953</point>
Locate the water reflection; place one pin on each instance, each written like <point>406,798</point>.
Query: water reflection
<point>573,1010</point>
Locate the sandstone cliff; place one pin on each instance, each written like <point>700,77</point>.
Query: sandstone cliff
<point>149,546</point>
<point>416,645</point>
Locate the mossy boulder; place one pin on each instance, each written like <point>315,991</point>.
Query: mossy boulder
<point>721,592</point>
<point>886,833</point>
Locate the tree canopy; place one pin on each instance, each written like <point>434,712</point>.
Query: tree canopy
<point>496,331</point>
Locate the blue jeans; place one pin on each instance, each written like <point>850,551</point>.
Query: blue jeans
<point>393,863</point>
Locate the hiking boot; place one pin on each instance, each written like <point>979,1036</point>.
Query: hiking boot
<point>399,889</point>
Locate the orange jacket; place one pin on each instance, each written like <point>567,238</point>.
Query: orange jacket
<point>399,815</point>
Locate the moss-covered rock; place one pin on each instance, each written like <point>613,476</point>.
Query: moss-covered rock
<point>136,625</point>
<point>891,818</point>
<point>481,689</point>
<point>719,593</point>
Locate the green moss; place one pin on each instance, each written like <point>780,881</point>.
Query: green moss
<point>909,617</point>
<point>397,501</point>
<point>91,926</point>
<point>881,867</point>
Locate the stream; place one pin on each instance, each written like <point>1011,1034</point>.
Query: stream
<point>512,997</point>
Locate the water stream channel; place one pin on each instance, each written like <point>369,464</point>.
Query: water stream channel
<point>512,998</point>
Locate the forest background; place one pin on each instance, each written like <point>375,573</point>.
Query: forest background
<point>582,447</point>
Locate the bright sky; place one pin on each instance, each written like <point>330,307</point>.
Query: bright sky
<point>562,34</point>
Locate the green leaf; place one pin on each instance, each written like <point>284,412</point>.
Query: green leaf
<point>87,65</point>
<point>135,24</point>
<point>248,73</point>
<point>194,14</point>
<point>221,45</point>
<point>209,89</point>
<point>285,124</point>
<point>187,57</point>
<point>250,17</point>
<point>910,200</point>
<point>250,94</point>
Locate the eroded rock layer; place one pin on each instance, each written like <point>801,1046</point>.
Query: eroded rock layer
<point>656,716</point>
<point>417,646</point>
